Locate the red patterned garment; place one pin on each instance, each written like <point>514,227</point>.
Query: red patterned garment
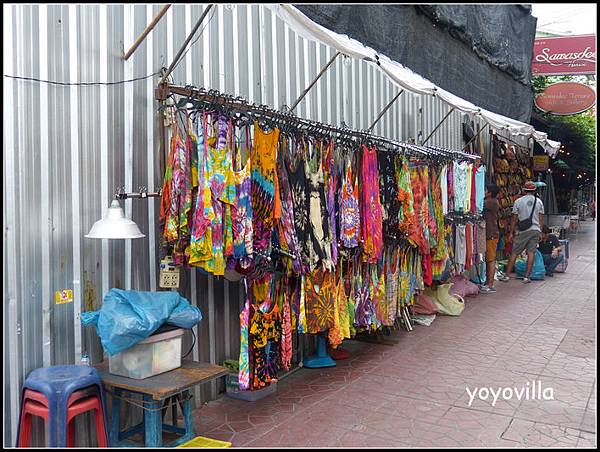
<point>419,181</point>
<point>372,234</point>
<point>349,210</point>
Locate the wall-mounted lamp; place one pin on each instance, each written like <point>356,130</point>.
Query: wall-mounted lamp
<point>114,224</point>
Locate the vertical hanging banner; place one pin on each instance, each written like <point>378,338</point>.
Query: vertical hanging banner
<point>565,55</point>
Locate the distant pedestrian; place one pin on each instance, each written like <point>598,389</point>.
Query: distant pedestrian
<point>593,208</point>
<point>550,248</point>
<point>528,208</point>
<point>492,234</point>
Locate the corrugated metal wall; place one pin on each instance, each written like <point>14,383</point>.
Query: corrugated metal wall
<point>67,149</point>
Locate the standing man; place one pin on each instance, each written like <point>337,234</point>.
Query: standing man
<point>550,248</point>
<point>492,234</point>
<point>527,207</point>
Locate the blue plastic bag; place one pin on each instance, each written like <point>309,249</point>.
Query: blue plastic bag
<point>538,271</point>
<point>129,316</point>
<point>478,273</point>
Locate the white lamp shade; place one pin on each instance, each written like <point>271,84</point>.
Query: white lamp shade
<point>115,225</point>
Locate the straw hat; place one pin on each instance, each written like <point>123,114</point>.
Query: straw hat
<point>529,186</point>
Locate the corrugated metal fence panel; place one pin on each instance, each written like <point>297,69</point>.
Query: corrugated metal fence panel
<point>67,149</point>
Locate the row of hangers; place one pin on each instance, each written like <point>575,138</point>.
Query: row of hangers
<point>462,217</point>
<point>245,114</point>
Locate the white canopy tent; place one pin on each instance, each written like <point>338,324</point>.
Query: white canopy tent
<point>404,77</point>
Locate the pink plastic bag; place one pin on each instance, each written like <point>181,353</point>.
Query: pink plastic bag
<point>463,287</point>
<point>424,304</point>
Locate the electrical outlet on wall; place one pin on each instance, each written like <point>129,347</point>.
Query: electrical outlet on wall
<point>169,274</point>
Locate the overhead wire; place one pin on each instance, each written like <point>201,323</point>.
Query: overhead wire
<point>118,82</point>
<point>51,82</point>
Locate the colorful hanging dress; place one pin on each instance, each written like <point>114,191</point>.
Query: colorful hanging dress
<point>166,193</point>
<point>264,334</point>
<point>318,224</point>
<point>298,187</point>
<point>263,157</point>
<point>319,303</point>
<point>391,284</point>
<point>286,332</point>
<point>388,188</point>
<point>405,197</point>
<point>331,181</point>
<point>285,226</point>
<point>372,234</point>
<point>378,298</point>
<point>242,213</point>
<point>334,335</point>
<point>349,210</point>
<point>200,249</point>
<point>219,174</point>
<point>179,196</point>
<point>363,312</point>
<point>244,372</point>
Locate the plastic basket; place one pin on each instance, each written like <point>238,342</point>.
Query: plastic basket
<point>201,442</point>
<point>154,355</point>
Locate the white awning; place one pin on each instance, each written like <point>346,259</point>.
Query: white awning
<point>404,77</point>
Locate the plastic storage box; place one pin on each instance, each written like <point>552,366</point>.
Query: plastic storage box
<point>154,355</point>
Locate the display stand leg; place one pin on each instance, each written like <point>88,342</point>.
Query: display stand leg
<point>321,358</point>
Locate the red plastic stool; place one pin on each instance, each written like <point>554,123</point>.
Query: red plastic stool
<point>36,404</point>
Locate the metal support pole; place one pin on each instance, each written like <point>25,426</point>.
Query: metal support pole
<point>475,136</point>
<point>147,30</point>
<point>438,126</point>
<point>188,39</point>
<point>387,107</point>
<point>316,79</point>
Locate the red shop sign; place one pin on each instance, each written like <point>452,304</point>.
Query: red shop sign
<point>566,98</point>
<point>564,55</point>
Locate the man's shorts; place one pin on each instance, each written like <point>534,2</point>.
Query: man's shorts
<point>490,249</point>
<point>526,240</point>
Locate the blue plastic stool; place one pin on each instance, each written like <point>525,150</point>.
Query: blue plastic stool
<point>321,358</point>
<point>57,383</point>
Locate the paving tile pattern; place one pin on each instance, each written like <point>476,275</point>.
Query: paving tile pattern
<point>414,393</point>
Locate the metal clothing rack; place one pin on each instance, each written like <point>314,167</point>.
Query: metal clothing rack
<point>201,99</point>
<point>193,99</point>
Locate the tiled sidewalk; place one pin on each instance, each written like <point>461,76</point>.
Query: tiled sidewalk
<point>413,394</point>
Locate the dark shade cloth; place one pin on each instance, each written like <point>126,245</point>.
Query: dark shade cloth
<point>481,53</point>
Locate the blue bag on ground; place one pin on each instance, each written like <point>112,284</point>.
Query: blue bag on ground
<point>538,271</point>
<point>130,316</point>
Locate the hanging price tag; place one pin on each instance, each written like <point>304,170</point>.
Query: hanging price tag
<point>169,274</point>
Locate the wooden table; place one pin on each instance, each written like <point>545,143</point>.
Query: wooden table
<point>174,384</point>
